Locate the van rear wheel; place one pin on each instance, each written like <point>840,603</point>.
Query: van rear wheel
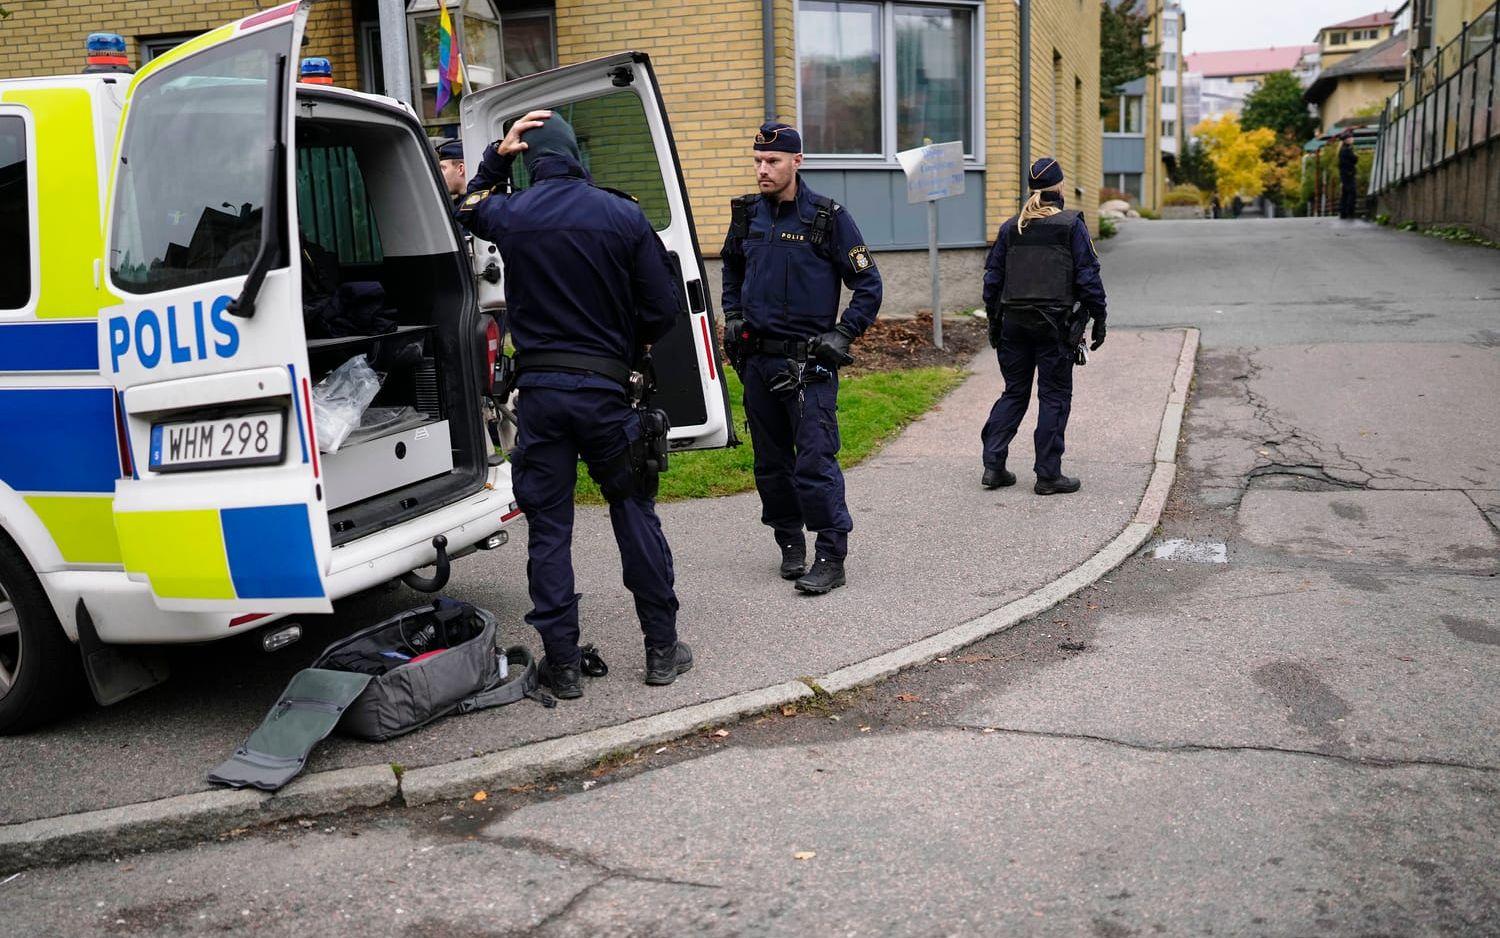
<point>40,674</point>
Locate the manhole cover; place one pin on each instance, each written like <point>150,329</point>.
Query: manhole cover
<point>1182,550</point>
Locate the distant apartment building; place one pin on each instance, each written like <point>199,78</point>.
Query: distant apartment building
<point>1342,40</point>
<point>1173,68</point>
<point>1224,79</point>
<point>1132,155</point>
<point>1352,91</point>
<point>1431,25</point>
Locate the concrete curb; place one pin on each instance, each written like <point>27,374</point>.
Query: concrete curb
<point>170,821</point>
<point>570,753</point>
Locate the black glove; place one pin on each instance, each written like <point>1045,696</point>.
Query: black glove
<point>832,347</point>
<point>1098,335</point>
<point>996,325</point>
<point>734,337</point>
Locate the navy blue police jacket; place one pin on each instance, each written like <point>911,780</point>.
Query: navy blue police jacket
<point>1088,288</point>
<point>788,289</point>
<point>585,271</point>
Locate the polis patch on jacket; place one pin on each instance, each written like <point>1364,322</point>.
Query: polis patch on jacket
<point>859,256</point>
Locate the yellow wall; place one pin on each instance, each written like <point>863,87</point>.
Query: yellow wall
<point>1449,16</point>
<point>1066,34</point>
<point>1349,95</point>
<point>45,37</point>
<point>1331,55</point>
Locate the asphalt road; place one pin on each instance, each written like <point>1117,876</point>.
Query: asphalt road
<point>1297,740</point>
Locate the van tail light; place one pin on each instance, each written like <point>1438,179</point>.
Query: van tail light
<point>491,352</point>
<point>122,438</point>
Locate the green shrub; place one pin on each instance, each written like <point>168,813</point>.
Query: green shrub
<point>1186,194</point>
<point>1148,214</point>
<point>1108,228</point>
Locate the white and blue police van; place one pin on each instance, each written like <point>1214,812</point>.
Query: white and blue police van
<point>188,252</point>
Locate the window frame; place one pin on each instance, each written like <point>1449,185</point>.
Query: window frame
<point>1120,110</point>
<point>28,127</point>
<point>144,43</point>
<point>973,160</point>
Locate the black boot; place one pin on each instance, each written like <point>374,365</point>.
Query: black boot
<point>665,663</point>
<point>825,576</point>
<point>997,478</point>
<point>566,682</point>
<point>1062,485</point>
<point>793,558</point>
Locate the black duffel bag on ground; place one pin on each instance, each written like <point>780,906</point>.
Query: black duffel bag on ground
<point>383,681</point>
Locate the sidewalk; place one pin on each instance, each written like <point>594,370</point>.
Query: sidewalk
<point>931,550</point>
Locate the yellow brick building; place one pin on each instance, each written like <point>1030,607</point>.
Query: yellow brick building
<point>865,79</point>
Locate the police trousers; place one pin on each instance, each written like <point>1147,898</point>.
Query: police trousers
<point>1025,353</point>
<point>557,428</point>
<point>796,441</point>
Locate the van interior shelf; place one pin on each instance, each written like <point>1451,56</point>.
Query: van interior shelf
<point>356,339</point>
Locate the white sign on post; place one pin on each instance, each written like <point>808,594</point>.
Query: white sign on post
<point>934,171</point>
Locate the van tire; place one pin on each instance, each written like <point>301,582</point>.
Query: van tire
<point>48,674</point>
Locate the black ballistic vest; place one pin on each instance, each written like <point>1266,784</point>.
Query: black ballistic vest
<point>1039,264</point>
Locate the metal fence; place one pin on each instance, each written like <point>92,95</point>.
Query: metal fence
<point>1445,109</point>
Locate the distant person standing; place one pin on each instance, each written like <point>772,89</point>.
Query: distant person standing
<point>1214,207</point>
<point>1348,175</point>
<point>1041,287</point>
<point>1237,206</point>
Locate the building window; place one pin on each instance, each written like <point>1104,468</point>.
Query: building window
<point>1169,94</point>
<point>876,78</point>
<point>152,46</point>
<point>479,45</point>
<point>15,214</point>
<point>1336,39</point>
<point>529,43</point>
<point>1125,118</point>
<point>1169,128</point>
<point>1169,61</point>
<point>1169,29</point>
<point>1128,183</point>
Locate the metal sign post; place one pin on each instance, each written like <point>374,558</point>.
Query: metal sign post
<point>934,171</point>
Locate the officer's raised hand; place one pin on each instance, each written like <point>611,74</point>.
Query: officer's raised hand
<point>512,144</point>
<point>1098,334</point>
<point>832,347</point>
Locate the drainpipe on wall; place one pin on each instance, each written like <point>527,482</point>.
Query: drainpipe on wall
<point>768,54</point>
<point>1025,60</point>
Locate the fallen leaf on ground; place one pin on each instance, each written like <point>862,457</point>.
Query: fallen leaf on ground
<point>481,795</point>
<point>804,855</point>
<point>721,733</point>
<point>789,710</point>
<point>907,698</point>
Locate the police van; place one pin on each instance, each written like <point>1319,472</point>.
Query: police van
<point>188,252</point>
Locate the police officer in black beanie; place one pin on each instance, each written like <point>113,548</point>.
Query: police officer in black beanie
<point>1041,287</point>
<point>787,252</point>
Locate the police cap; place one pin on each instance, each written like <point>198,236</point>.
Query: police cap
<point>774,135</point>
<point>1045,173</point>
<point>450,150</point>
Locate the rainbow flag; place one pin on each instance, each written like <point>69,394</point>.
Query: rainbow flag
<point>450,63</point>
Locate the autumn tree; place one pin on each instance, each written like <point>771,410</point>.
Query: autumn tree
<point>1237,155</point>
<point>1124,54</point>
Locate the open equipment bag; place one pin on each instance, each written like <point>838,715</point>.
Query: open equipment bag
<point>381,682</point>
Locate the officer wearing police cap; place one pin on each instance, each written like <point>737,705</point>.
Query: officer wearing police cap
<point>1041,287</point>
<point>450,154</point>
<point>787,252</point>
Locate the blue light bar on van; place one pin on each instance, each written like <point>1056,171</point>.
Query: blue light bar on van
<point>106,53</point>
<point>317,70</point>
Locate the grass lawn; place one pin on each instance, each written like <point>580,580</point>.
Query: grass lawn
<point>872,409</point>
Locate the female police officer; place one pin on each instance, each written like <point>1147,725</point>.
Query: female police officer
<point>1041,287</point>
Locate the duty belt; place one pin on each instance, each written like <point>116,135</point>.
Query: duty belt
<point>610,368</point>
<point>789,348</point>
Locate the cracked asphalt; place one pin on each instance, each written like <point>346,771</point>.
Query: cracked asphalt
<point>1299,740</point>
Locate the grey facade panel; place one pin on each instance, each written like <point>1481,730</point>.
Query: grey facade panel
<point>877,200</point>
<point>1124,154</point>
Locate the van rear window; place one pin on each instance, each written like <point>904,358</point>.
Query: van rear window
<point>195,166</point>
<point>15,215</point>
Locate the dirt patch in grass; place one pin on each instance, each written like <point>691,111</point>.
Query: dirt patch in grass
<point>892,344</point>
